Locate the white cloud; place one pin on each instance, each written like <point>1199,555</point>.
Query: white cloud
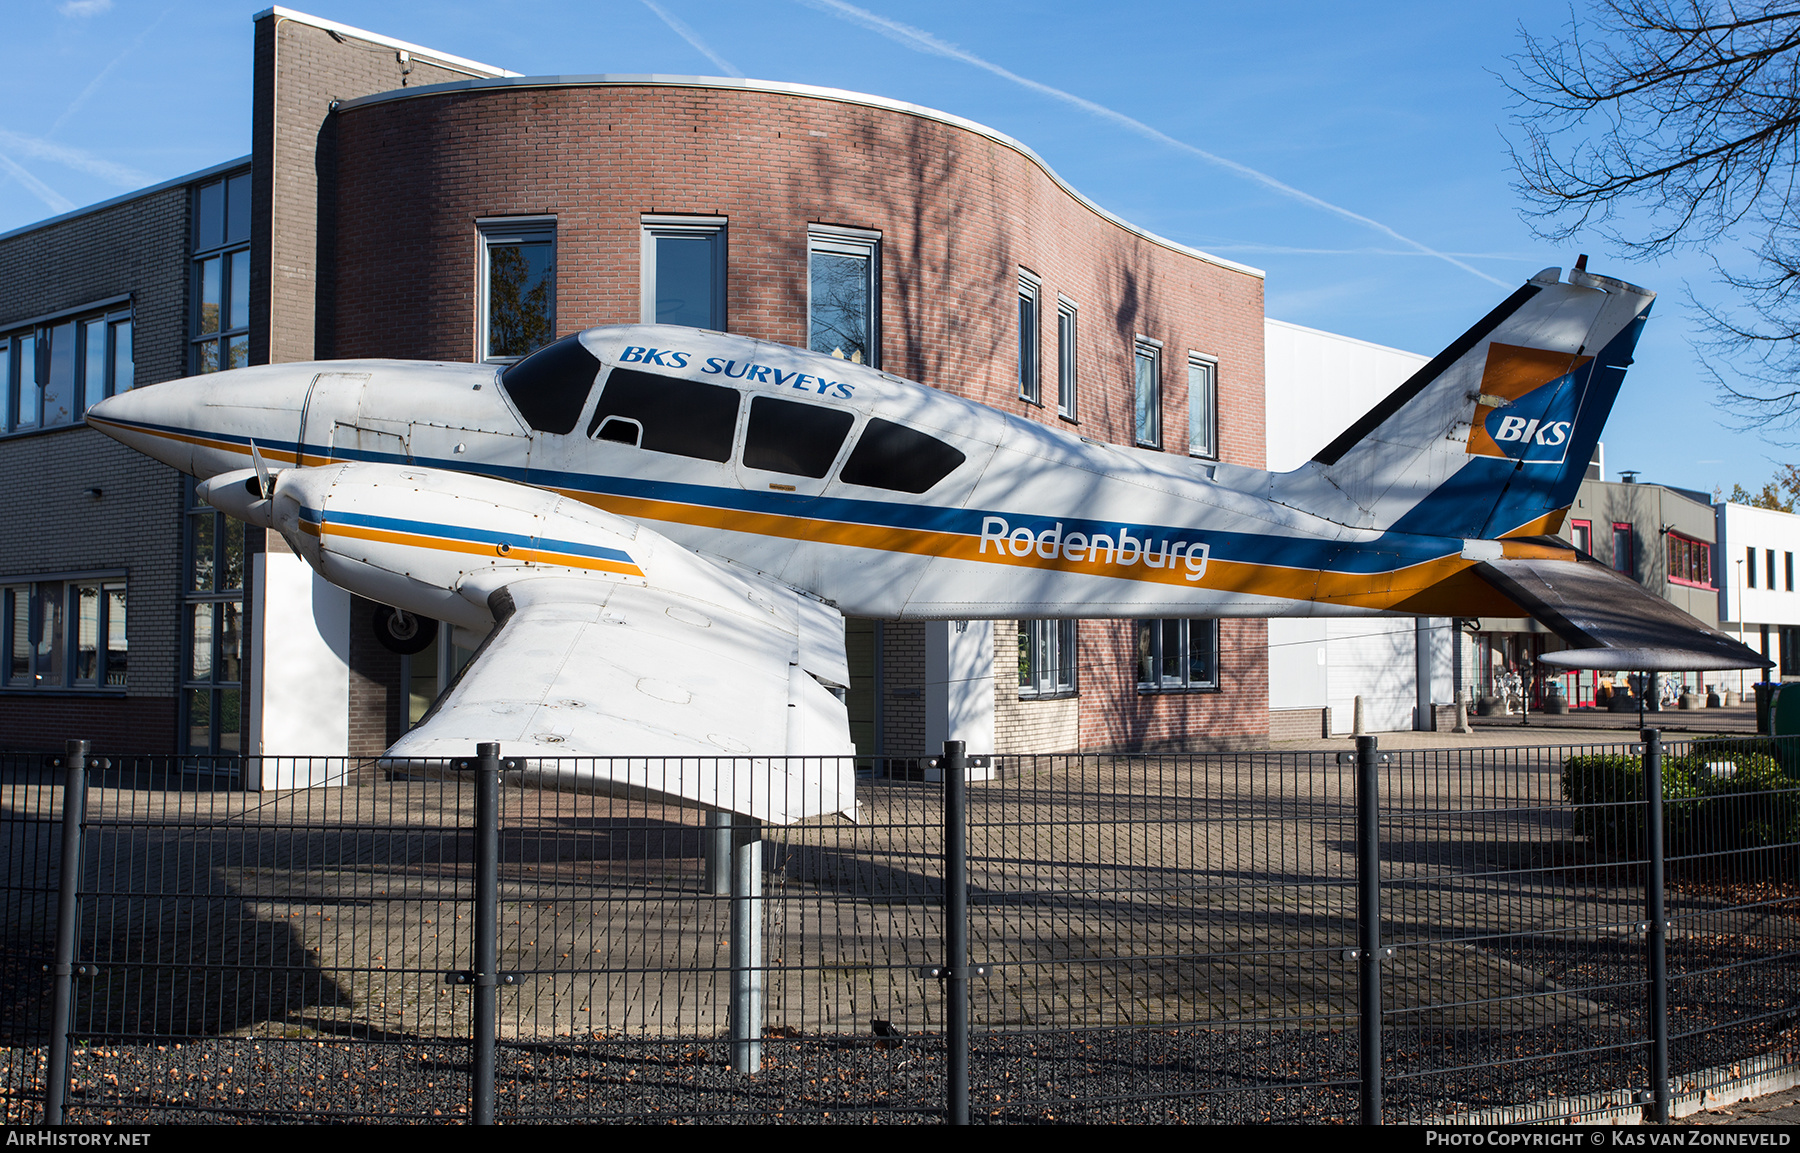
<point>53,199</point>
<point>118,174</point>
<point>84,7</point>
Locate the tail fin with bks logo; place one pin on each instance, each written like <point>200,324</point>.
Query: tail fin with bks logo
<point>1492,438</point>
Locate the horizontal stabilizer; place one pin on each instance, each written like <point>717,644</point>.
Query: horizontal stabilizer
<point>1609,621</point>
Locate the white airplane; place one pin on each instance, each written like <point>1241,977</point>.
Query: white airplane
<point>663,527</point>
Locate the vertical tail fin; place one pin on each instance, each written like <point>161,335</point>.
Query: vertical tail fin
<point>1492,437</point>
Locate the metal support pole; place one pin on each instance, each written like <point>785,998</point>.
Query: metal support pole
<point>717,847</point>
<point>1658,936</point>
<point>1368,922</point>
<point>68,883</point>
<point>746,945</point>
<point>487,927</point>
<point>956,932</point>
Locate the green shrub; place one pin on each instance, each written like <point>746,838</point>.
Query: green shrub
<point>1708,810</point>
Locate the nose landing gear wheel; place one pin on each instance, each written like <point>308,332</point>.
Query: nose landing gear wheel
<point>402,632</point>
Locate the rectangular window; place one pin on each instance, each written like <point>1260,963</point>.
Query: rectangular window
<point>1147,386</point>
<point>1175,656</point>
<point>1029,291</point>
<point>1065,358</point>
<point>220,336</point>
<point>1789,562</point>
<point>1769,568</point>
<point>1790,650</point>
<point>1581,532</point>
<point>1623,559</point>
<point>51,373</point>
<point>1203,406</point>
<point>1046,659</point>
<point>1750,567</point>
<point>1690,561</point>
<point>843,281</point>
<point>682,271</point>
<point>64,635</point>
<point>212,672</point>
<point>516,294</point>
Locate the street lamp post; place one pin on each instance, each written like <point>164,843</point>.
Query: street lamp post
<point>1739,614</point>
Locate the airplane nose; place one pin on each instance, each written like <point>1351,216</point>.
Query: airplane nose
<point>149,419</point>
<point>204,425</point>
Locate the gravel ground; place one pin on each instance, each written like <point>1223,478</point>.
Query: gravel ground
<point>1080,1077</point>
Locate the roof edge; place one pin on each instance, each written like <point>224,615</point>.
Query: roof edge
<point>459,63</point>
<point>189,178</point>
<point>811,91</point>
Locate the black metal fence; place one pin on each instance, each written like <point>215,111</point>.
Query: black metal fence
<point>1146,938</point>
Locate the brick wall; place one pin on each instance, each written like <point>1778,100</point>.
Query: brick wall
<point>51,525</point>
<point>300,71</point>
<point>1029,726</point>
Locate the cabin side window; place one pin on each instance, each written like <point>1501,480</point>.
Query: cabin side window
<point>798,439</point>
<point>892,456</point>
<point>551,386</point>
<point>666,414</point>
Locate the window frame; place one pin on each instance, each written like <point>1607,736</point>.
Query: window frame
<point>1789,638</point>
<point>653,226</point>
<point>1049,660</point>
<point>1068,372</point>
<point>492,230</point>
<point>109,317</point>
<point>1683,547</point>
<point>1031,332</point>
<point>226,250</point>
<point>1626,563</point>
<point>69,586</point>
<point>842,240</point>
<point>1203,417</point>
<point>1750,567</point>
<point>1769,567</point>
<point>1183,683</point>
<point>1578,529</point>
<point>1146,349</point>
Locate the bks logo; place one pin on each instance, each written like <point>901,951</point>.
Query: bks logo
<point>1545,432</point>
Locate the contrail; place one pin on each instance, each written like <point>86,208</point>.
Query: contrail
<point>921,41</point>
<point>94,84</point>
<point>686,33</point>
<point>119,174</point>
<point>57,202</point>
<point>1290,250</point>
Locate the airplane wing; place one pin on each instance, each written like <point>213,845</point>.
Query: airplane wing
<point>1609,621</point>
<point>644,692</point>
<point>618,661</point>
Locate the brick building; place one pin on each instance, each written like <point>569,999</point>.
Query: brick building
<point>396,198</point>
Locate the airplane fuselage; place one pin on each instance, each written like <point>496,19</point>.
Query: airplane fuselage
<point>881,496</point>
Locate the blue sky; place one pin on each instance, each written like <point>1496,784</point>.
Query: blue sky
<point>1356,153</point>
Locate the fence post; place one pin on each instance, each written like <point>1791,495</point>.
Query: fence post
<point>487,926</point>
<point>68,882</point>
<point>956,932</point>
<point>1657,938</point>
<point>716,844</point>
<point>746,945</point>
<point>1368,922</point>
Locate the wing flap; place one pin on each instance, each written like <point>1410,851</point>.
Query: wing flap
<point>1609,621</point>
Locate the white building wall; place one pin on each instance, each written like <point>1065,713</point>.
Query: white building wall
<point>300,686</point>
<point>1317,385</point>
<point>1739,529</point>
<point>959,684</point>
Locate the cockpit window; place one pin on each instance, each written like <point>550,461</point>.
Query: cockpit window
<point>895,457</point>
<point>552,384</point>
<point>666,414</point>
<point>798,439</point>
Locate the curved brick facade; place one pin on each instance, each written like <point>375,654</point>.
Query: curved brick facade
<point>960,212</point>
